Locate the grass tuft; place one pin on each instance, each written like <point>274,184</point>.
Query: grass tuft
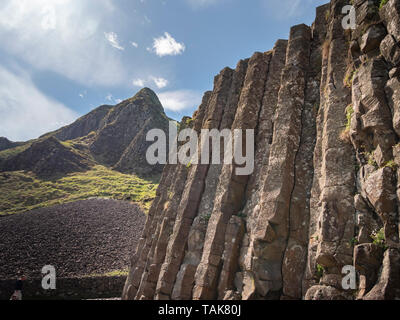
<point>378,238</point>
<point>319,272</point>
<point>383,2</point>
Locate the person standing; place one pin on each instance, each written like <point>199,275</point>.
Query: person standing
<point>17,295</point>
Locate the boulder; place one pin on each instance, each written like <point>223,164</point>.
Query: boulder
<point>388,286</point>
<point>390,50</point>
<point>372,38</point>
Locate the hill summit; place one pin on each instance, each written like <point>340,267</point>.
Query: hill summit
<point>120,141</point>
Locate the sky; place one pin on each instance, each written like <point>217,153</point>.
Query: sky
<point>60,59</point>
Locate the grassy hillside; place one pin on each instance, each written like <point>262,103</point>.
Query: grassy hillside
<point>22,191</point>
<point>47,163</point>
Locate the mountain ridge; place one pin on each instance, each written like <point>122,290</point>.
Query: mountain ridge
<point>110,135</point>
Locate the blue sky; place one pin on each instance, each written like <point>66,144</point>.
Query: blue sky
<point>59,59</point>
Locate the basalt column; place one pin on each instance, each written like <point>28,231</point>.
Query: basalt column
<point>332,215</point>
<point>185,279</point>
<point>255,184</point>
<point>295,258</point>
<point>263,277</point>
<point>231,188</point>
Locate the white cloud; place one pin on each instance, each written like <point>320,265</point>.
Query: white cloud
<point>112,38</point>
<point>49,20</point>
<point>139,83</point>
<point>83,94</point>
<point>62,36</point>
<point>202,3</point>
<point>167,46</point>
<point>180,100</point>
<point>111,99</point>
<point>26,112</point>
<point>134,44</point>
<point>160,82</point>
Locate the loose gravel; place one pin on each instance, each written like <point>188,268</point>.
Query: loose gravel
<point>83,238</point>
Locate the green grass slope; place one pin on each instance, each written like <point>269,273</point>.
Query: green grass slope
<point>23,191</point>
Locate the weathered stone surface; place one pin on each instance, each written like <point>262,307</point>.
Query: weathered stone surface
<point>231,295</point>
<point>367,260</point>
<point>393,73</point>
<point>372,38</point>
<point>381,192</point>
<point>233,239</point>
<point>388,287</point>
<point>140,258</point>
<point>390,14</point>
<point>390,50</point>
<point>325,293</point>
<point>392,90</point>
<point>365,220</point>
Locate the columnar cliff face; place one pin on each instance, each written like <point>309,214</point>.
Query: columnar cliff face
<point>325,109</point>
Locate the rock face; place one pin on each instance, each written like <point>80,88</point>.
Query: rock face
<point>324,192</point>
<point>93,121</point>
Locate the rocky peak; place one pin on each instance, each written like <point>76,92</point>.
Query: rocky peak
<point>121,140</point>
<point>148,98</point>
